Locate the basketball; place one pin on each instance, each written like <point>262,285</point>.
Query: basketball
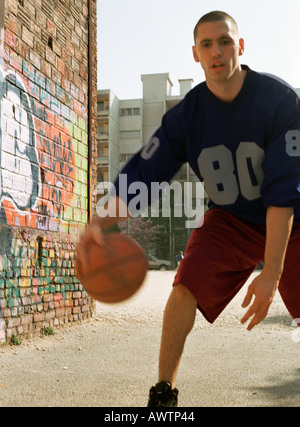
<point>116,270</point>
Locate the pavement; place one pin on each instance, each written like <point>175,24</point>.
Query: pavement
<point>111,361</point>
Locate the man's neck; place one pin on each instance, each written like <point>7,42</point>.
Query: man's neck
<point>228,90</point>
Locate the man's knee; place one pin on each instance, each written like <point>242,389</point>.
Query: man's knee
<point>182,293</point>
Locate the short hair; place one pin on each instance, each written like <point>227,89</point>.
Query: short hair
<point>214,16</point>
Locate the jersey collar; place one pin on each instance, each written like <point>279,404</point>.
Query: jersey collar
<point>229,107</point>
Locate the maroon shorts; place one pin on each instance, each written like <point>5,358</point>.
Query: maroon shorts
<point>222,254</point>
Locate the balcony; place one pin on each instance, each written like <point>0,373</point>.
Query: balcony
<point>103,113</point>
<point>102,161</point>
<point>103,136</point>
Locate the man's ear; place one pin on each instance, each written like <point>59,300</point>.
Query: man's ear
<point>196,58</point>
<point>242,47</point>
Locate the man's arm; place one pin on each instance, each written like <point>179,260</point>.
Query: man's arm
<point>279,226</point>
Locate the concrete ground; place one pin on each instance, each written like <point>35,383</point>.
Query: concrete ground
<point>112,360</point>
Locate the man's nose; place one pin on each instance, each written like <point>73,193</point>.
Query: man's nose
<point>216,50</point>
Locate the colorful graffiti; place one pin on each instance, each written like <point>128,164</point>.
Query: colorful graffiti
<point>37,162</point>
<point>37,267</point>
<point>43,172</point>
<point>43,189</point>
<point>20,172</point>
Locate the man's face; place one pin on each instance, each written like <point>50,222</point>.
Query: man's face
<point>217,48</point>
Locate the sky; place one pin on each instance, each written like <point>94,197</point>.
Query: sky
<point>138,37</point>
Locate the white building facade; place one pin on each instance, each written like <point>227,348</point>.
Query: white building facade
<point>124,126</point>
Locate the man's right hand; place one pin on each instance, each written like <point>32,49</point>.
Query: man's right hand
<point>94,235</point>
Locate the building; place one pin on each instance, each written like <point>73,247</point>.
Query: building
<point>125,125</point>
<point>108,135</point>
<point>48,106</point>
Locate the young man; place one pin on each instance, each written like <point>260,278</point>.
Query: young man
<point>240,132</point>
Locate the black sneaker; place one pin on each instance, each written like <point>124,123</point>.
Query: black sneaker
<point>163,395</point>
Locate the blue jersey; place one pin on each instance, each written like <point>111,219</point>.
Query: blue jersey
<point>246,152</point>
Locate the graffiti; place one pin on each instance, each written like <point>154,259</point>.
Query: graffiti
<point>43,187</point>
<point>37,162</point>
<point>58,172</point>
<point>35,269</point>
<point>19,160</point>
<point>37,179</point>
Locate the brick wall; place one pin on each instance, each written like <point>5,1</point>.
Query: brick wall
<point>47,158</point>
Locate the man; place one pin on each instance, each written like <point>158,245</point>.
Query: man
<point>240,132</point>
<point>179,257</point>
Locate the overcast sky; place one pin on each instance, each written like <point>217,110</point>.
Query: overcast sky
<point>143,37</point>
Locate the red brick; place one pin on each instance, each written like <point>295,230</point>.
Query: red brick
<point>13,25</point>
<point>14,322</point>
<point>59,312</point>
<point>38,317</point>
<point>47,297</point>
<point>77,295</point>
<point>50,315</point>
<point>11,39</point>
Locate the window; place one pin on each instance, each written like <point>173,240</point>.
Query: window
<point>100,105</point>
<point>100,177</point>
<point>130,134</point>
<point>125,157</point>
<point>130,112</point>
<point>102,152</point>
<point>102,130</point>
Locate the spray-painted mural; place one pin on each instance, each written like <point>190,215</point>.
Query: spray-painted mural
<point>20,169</point>
<point>43,190</point>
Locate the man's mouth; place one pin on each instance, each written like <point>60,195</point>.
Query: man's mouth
<point>218,65</point>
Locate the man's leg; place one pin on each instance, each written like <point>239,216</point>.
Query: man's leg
<point>219,258</point>
<point>178,321</point>
<point>289,282</point>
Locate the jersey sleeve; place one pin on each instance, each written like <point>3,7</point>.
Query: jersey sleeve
<point>281,185</point>
<point>157,161</point>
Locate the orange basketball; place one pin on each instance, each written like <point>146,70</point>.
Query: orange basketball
<point>116,270</point>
